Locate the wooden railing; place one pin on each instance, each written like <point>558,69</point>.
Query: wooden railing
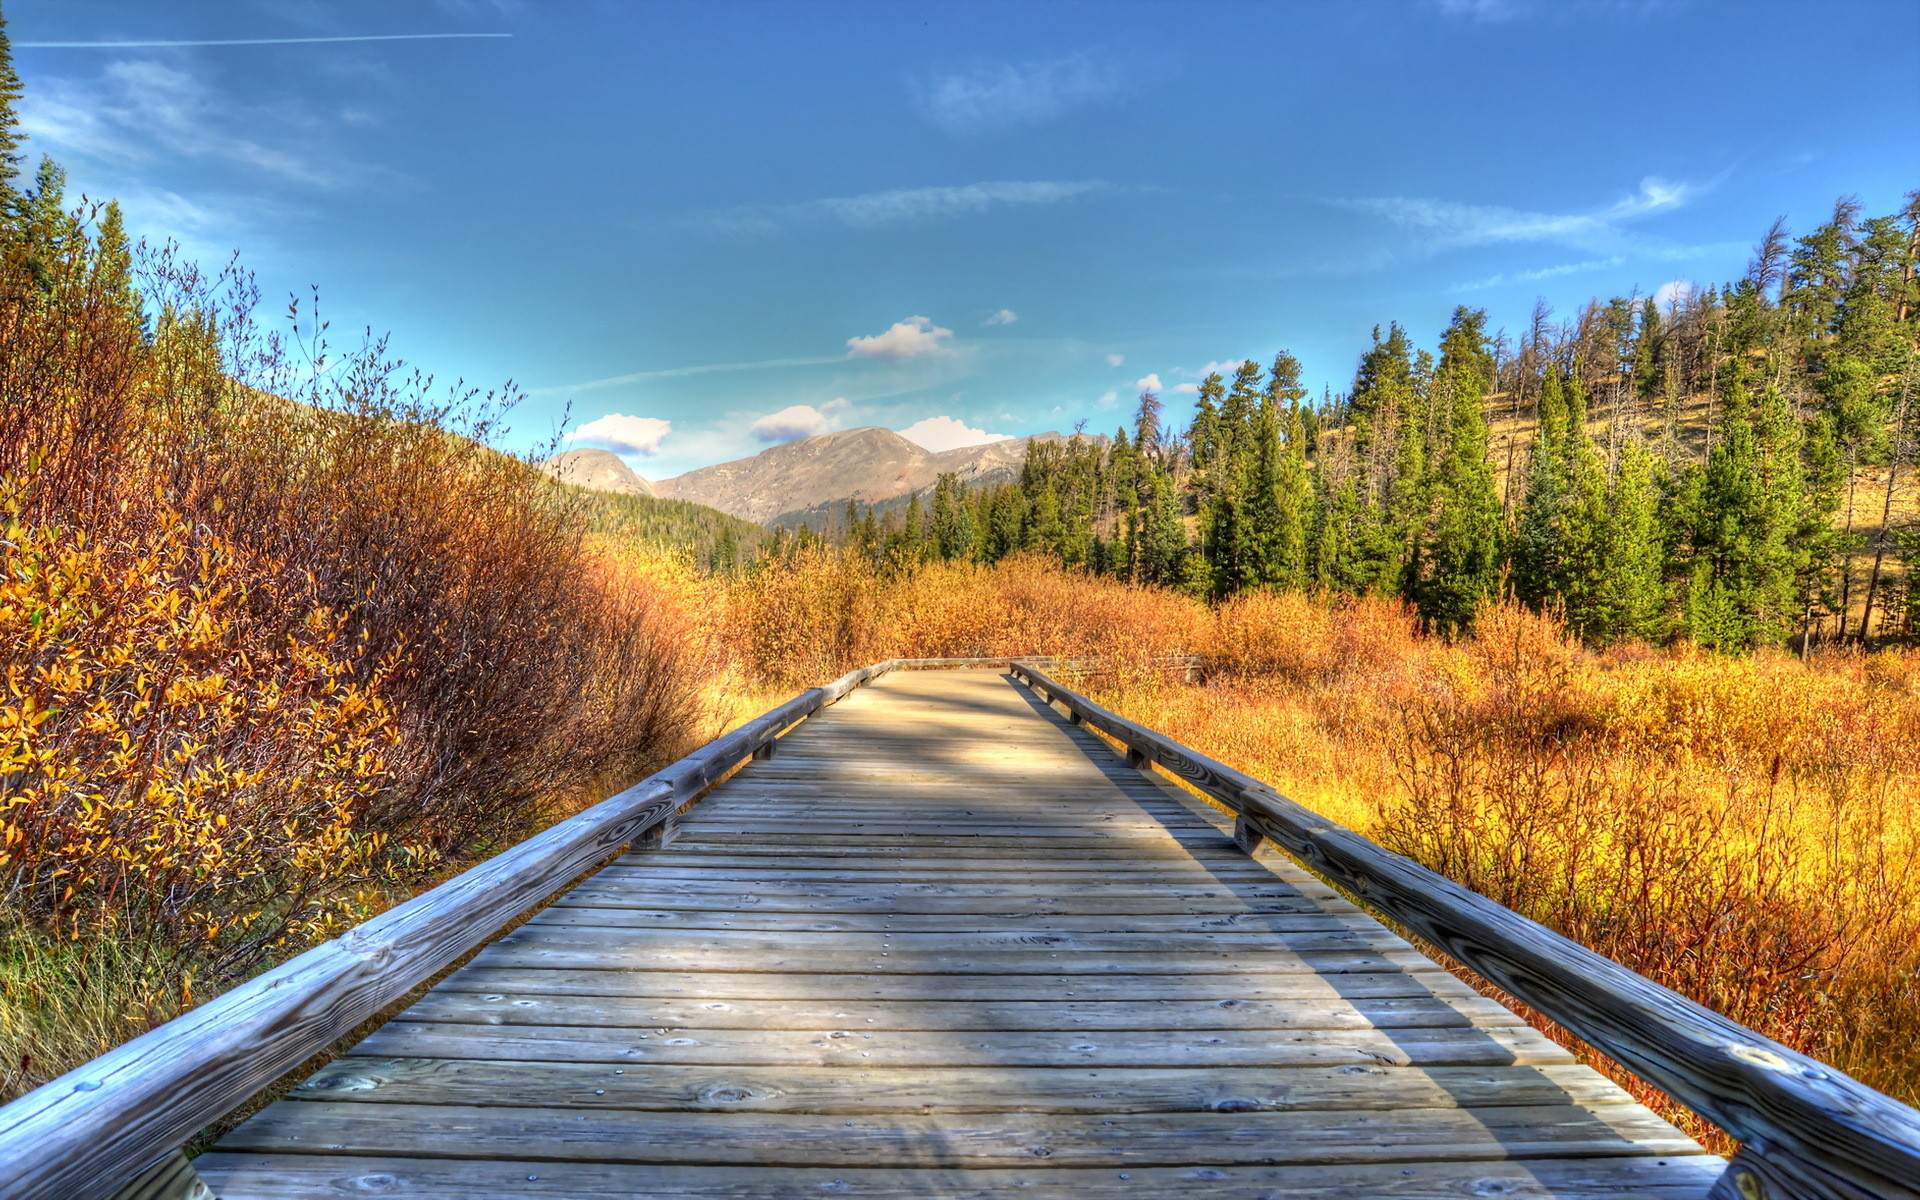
<point>1806,1129</point>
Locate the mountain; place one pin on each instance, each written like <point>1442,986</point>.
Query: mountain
<point>790,482</point>
<point>597,470</point>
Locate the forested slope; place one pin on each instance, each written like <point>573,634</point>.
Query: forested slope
<point>1735,467</point>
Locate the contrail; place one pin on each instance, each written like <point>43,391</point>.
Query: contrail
<point>294,41</point>
<point>671,372</point>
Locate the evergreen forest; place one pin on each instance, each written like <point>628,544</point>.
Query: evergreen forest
<point>1733,467</point>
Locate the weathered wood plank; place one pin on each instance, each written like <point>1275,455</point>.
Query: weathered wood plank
<point>625,917</point>
<point>949,1089</point>
<point>1489,1046</point>
<point>855,900</point>
<point>784,946</point>
<point>245,1176</point>
<point>611,954</point>
<point>1169,1016</point>
<point>1014,1139</point>
<point>482,976</point>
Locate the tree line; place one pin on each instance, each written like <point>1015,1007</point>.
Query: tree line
<point>1727,467</point>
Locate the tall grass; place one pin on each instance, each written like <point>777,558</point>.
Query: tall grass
<point>1743,830</point>
<point>282,640</point>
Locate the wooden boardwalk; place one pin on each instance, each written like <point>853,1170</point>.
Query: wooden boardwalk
<point>946,944</point>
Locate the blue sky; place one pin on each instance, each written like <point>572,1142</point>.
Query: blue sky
<point>711,226</point>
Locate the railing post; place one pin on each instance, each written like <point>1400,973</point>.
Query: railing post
<point>1245,836</point>
<point>172,1178</point>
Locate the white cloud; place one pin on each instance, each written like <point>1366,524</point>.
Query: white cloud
<point>1672,292</point>
<point>903,206</point>
<point>946,433</point>
<point>1222,368</point>
<point>790,423</point>
<point>1016,94</point>
<point>838,404</point>
<point>910,338</point>
<point>1116,360</point>
<point>1149,383</point>
<point>623,434</point>
<point>1005,316</point>
<point>1451,225</point>
<point>1108,398</point>
<point>1187,389</point>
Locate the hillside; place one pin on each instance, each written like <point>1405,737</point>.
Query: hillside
<point>648,523</point>
<point>785,483</point>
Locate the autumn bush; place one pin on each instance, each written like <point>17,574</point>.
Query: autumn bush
<point>817,613</point>
<point>282,639</point>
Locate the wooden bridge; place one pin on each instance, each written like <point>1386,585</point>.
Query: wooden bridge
<point>941,940</point>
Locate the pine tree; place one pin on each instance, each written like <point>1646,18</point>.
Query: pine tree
<point>11,135</point>
<point>1536,549</point>
<point>1465,546</point>
<point>1634,597</point>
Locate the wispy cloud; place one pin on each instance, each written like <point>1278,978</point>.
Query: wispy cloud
<point>1016,93</point>
<point>289,41</point>
<point>1005,316</point>
<point>1116,360</point>
<point>1506,278</point>
<point>138,111</point>
<point>676,372</point>
<point>1452,225</point>
<point>1485,11</point>
<point>899,207</point>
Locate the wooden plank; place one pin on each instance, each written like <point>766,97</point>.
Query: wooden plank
<point>855,900</point>
<point>1489,1046</point>
<point>482,976</point>
<point>247,1176</point>
<point>1170,1016</point>
<point>1176,842</point>
<point>564,932</point>
<point>996,872</point>
<point>610,954</point>
<point>621,916</point>
<point>729,1089</point>
<point>1095,857</point>
<point>1758,1090</point>
<point>986,1140</point>
<point>96,1127</point>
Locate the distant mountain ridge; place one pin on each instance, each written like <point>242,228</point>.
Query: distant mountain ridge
<point>815,474</point>
<point>597,470</point>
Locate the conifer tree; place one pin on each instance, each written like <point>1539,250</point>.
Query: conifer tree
<point>1465,546</point>
<point>1536,547</point>
<point>1634,591</point>
<point>11,135</point>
